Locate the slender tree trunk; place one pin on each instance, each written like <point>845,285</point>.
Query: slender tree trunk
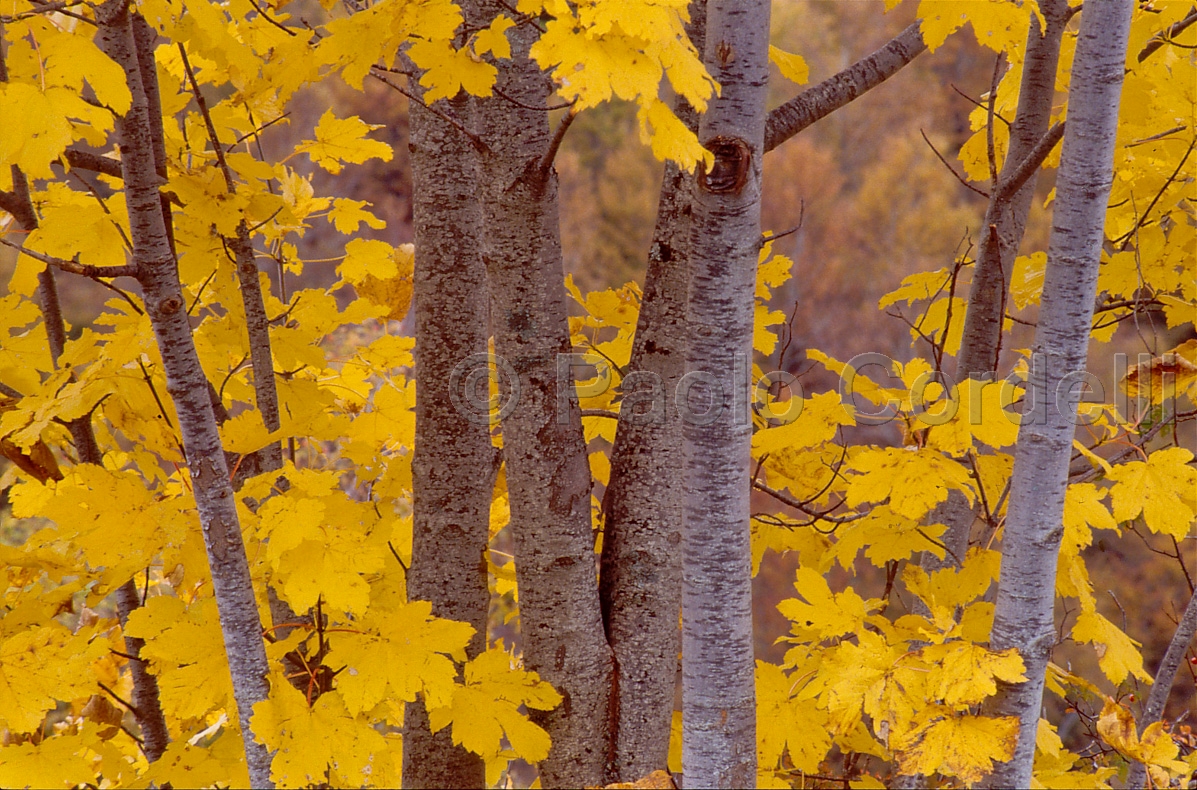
<point>188,388</point>
<point>1001,233</point>
<point>452,469</point>
<point>1023,617</point>
<point>641,573</point>
<point>642,505</point>
<point>718,696</point>
<point>1165,674</point>
<point>548,477</point>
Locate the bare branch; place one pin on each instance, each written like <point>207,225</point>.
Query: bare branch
<point>951,169</point>
<point>73,266</point>
<point>546,161</point>
<point>444,116</point>
<point>85,160</point>
<point>834,92</point>
<point>786,499</point>
<point>1028,166</point>
<point>1165,37</point>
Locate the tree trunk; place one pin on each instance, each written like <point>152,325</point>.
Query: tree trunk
<point>548,477</point>
<point>641,573</point>
<point>718,696</point>
<point>452,468</point>
<point>188,388</point>
<point>1001,233</point>
<point>642,505</point>
<point>1023,617</point>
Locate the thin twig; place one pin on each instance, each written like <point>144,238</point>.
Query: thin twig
<point>951,169</point>
<point>990,147</point>
<point>775,236</point>
<point>449,119</point>
<point>272,20</point>
<point>1166,36</point>
<point>786,499</point>
<point>546,162</point>
<point>520,104</point>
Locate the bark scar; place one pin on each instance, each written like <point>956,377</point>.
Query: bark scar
<point>729,173</point>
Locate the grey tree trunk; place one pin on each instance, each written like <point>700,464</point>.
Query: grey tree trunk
<point>718,695</point>
<point>640,582</point>
<point>1023,617</point>
<point>188,388</point>
<point>1165,674</point>
<point>548,477</point>
<point>642,505</point>
<point>453,465</point>
<point>1002,230</point>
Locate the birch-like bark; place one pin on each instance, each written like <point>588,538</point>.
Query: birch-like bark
<point>1165,674</point>
<point>452,468</point>
<point>548,476</point>
<point>1023,616</point>
<point>640,580</point>
<point>188,388</point>
<point>718,695</point>
<point>1002,230</point>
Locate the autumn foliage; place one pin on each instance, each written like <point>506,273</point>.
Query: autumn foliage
<point>887,666</point>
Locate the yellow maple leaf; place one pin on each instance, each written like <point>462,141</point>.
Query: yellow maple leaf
<point>965,674</point>
<point>1117,654</point>
<point>962,746</point>
<point>40,666</point>
<point>494,38</point>
<point>340,140</point>
<point>813,421</point>
<point>823,612</point>
<point>786,724</point>
<point>395,291</point>
<point>913,480</point>
<point>398,654</point>
<point>486,709</point>
<point>1151,488</point>
<point>309,740</point>
<point>1155,749</point>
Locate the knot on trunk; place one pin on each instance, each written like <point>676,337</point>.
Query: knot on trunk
<point>729,173</point>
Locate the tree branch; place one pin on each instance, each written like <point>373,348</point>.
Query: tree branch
<point>1162,687</point>
<point>1028,166</point>
<point>85,160</point>
<point>786,499</point>
<point>834,92</point>
<point>1166,36</point>
<point>74,267</point>
<point>546,161</point>
<point>951,169</point>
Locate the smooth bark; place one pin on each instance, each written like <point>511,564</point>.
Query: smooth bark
<point>1023,616</point>
<point>1001,233</point>
<point>188,388</point>
<point>718,695</point>
<point>453,465</point>
<point>548,476</point>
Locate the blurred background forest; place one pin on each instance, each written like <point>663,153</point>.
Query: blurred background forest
<point>875,205</point>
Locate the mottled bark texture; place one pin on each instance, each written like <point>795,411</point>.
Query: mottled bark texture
<point>188,388</point>
<point>452,468</point>
<point>1165,675</point>
<point>640,580</point>
<point>147,707</point>
<point>718,697</point>
<point>1001,233</point>
<point>1023,616</point>
<point>548,477</point>
<point>829,95</point>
